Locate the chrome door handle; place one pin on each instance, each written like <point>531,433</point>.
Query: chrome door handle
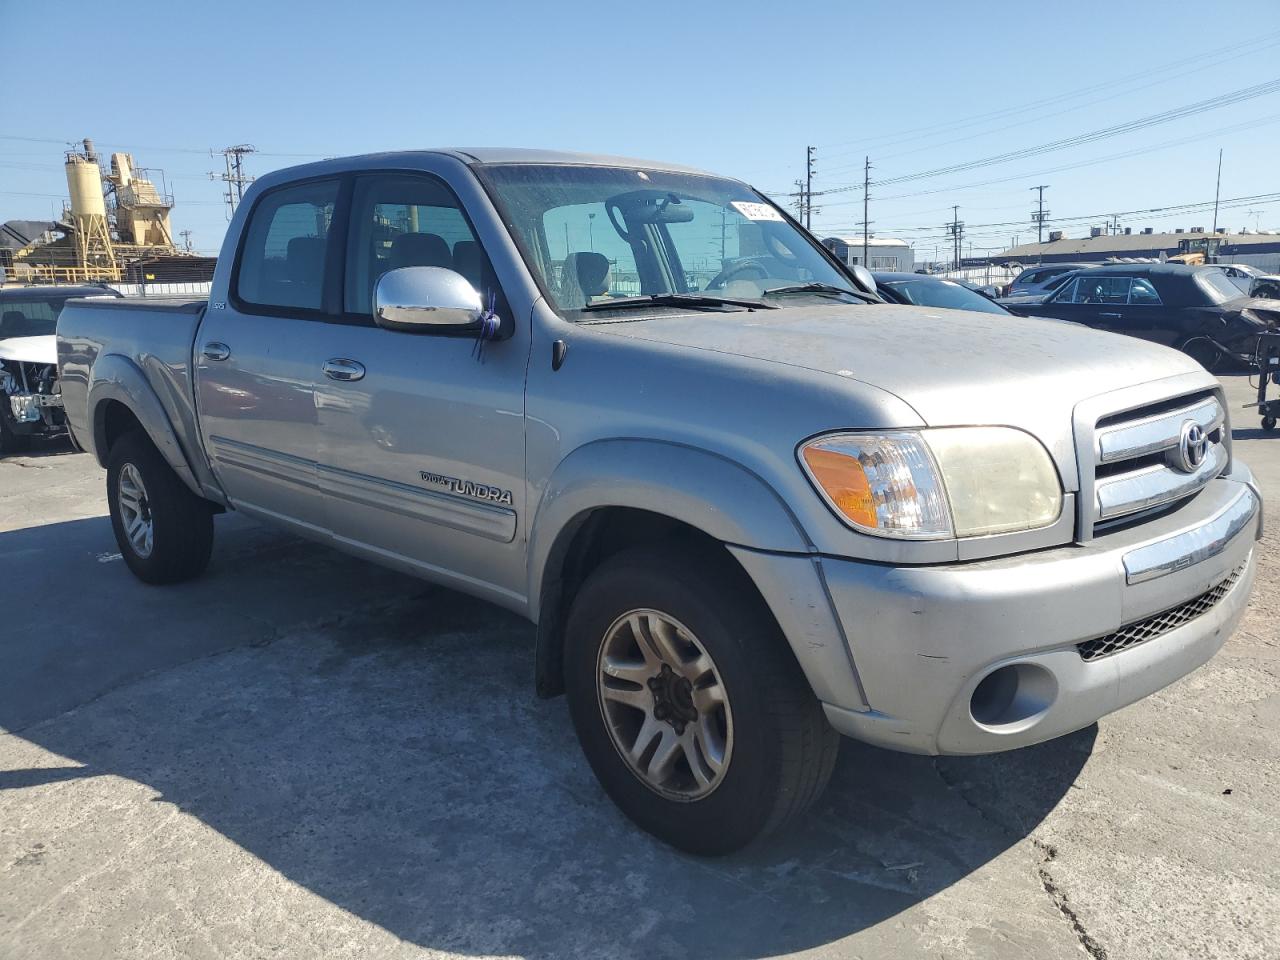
<point>213,350</point>
<point>1113,316</point>
<point>345,370</point>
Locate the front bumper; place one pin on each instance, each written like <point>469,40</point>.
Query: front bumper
<point>923,639</point>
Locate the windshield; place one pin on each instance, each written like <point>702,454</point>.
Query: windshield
<point>1219,286</point>
<point>28,318</point>
<point>593,235</point>
<point>941,293</point>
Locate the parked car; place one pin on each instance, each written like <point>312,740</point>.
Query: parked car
<point>30,400</point>
<point>1035,280</point>
<point>920,290</point>
<point>1265,287</point>
<point>1198,310</point>
<point>745,516</point>
<point>1012,301</point>
<point>1241,273</point>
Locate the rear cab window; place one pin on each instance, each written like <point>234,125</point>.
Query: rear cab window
<point>282,258</point>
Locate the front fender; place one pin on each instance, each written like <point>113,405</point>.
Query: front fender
<point>116,377</point>
<point>709,492</point>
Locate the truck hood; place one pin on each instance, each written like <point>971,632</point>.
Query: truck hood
<point>30,349</point>
<point>953,367</point>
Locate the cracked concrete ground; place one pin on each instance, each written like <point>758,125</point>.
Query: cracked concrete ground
<point>306,756</point>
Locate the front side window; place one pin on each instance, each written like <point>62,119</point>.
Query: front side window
<point>408,221</point>
<point>282,263</point>
<point>596,234</point>
<point>1096,289</point>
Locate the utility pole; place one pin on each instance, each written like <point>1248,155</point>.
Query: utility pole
<point>955,230</point>
<point>1038,215</point>
<point>1217,191</point>
<point>866,222</point>
<point>808,187</point>
<point>1256,214</point>
<point>186,239</point>
<point>801,201</point>
<point>234,177</point>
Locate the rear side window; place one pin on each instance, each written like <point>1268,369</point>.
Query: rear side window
<point>1143,292</point>
<point>282,262</point>
<point>28,318</point>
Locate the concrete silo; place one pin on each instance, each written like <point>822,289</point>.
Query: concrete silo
<point>92,234</point>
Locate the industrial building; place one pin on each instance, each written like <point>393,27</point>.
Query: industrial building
<point>881,253</point>
<point>114,222</point>
<point>1261,250</point>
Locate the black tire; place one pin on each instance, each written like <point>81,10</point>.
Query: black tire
<point>783,748</point>
<point>1268,423</point>
<point>10,442</point>
<point>1204,352</point>
<point>182,523</point>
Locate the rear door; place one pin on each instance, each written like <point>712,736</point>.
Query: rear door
<point>259,354</point>
<point>422,434</point>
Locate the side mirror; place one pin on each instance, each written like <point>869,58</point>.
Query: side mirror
<point>863,278</point>
<point>425,300</point>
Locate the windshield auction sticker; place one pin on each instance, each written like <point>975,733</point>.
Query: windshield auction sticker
<point>756,211</point>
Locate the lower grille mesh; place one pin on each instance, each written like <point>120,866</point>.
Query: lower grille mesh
<point>1141,631</point>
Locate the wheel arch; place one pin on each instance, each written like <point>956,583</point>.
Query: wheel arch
<point>610,495</point>
<point>119,399</point>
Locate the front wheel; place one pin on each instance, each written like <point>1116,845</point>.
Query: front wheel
<point>164,531</point>
<point>690,707</point>
<point>1204,352</point>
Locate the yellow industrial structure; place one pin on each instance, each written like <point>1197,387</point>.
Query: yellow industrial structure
<point>113,219</point>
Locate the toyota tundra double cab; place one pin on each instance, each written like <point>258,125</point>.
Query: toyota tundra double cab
<point>748,504</point>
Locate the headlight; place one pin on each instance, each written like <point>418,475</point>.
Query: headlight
<point>936,484</point>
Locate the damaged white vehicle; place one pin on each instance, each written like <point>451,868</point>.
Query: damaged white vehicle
<point>30,398</point>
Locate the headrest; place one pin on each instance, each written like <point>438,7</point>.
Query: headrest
<point>12,316</point>
<point>304,258</point>
<point>420,250</point>
<point>585,275</point>
<point>468,262</point>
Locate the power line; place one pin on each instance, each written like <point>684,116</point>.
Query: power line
<point>1129,126</point>
<point>1181,66</point>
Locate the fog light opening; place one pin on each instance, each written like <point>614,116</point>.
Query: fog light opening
<point>1013,694</point>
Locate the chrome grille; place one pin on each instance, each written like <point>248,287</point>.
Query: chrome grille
<point>1149,628</point>
<point>1137,466</point>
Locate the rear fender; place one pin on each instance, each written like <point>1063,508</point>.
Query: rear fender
<point>115,377</point>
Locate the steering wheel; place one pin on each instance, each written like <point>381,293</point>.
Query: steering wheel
<point>730,273</point>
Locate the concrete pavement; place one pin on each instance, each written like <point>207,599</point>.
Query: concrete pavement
<point>304,755</point>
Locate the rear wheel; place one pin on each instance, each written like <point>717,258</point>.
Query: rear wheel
<point>1268,423</point>
<point>165,532</point>
<point>688,702</point>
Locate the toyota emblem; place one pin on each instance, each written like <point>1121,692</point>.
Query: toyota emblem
<point>1193,444</point>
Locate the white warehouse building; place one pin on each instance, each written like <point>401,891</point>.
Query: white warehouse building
<point>882,253</point>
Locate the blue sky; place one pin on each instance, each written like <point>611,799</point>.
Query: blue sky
<point>738,88</point>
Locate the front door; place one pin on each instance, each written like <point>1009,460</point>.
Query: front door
<point>258,356</point>
<point>1096,300</point>
<point>421,434</point>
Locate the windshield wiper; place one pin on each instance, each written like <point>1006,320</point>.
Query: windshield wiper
<point>827,289</point>
<point>694,300</point>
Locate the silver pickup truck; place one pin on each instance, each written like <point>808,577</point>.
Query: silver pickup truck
<point>748,505</point>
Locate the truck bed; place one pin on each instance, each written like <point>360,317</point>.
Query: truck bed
<point>153,334</point>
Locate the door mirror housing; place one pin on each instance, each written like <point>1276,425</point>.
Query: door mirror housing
<point>863,278</point>
<point>426,300</point>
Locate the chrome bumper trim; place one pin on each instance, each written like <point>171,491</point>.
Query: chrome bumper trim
<point>1187,549</point>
